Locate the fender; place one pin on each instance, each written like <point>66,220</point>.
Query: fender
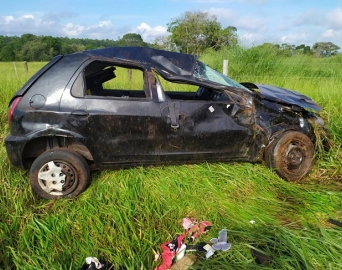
<point>53,131</point>
<point>278,134</point>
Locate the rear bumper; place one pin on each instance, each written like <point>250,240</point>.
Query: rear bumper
<point>14,148</point>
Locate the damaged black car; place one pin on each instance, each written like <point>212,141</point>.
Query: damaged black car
<point>127,106</point>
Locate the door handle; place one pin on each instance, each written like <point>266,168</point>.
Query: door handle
<point>80,113</point>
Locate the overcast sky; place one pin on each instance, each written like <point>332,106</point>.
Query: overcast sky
<point>258,21</point>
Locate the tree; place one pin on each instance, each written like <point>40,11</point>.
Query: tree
<point>35,50</point>
<point>193,32</point>
<point>27,38</point>
<point>6,53</point>
<point>164,43</point>
<point>132,39</point>
<point>303,49</point>
<point>287,49</point>
<point>72,48</point>
<point>325,48</point>
<point>54,44</point>
<point>228,36</point>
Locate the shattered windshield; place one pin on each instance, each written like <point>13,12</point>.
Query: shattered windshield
<point>203,72</point>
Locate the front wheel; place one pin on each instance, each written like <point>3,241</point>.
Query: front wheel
<point>59,173</point>
<point>291,155</point>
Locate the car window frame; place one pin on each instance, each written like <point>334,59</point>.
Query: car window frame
<point>79,78</point>
<point>168,93</point>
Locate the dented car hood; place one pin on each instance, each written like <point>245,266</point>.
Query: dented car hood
<point>282,95</point>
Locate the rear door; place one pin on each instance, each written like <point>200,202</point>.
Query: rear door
<point>118,119</point>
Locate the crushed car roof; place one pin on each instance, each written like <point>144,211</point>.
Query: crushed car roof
<point>173,66</point>
<point>171,63</point>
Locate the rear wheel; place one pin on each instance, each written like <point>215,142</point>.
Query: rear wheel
<point>291,155</point>
<point>59,173</point>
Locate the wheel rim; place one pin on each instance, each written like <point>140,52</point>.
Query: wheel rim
<point>57,178</point>
<point>294,156</point>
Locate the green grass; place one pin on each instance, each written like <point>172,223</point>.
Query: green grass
<point>126,214</point>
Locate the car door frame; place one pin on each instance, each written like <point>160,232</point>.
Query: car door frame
<point>78,108</point>
<point>184,142</point>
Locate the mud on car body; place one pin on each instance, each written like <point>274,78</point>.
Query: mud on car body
<point>114,107</point>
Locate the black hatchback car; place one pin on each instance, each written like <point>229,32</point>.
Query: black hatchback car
<point>125,106</point>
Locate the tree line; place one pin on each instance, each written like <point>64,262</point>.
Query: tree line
<point>29,47</point>
<point>192,32</point>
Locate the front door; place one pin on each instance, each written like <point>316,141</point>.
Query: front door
<point>209,130</point>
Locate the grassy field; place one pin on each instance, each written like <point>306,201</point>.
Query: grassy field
<point>125,215</point>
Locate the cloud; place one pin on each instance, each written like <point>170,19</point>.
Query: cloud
<point>254,27</point>
<point>71,30</point>
<point>149,33</point>
<point>252,23</point>
<point>315,26</point>
<point>224,15</point>
<point>101,26</point>
<point>10,25</point>
<point>254,39</point>
<point>28,16</point>
<point>331,33</point>
<point>296,38</point>
<point>6,19</point>
<point>57,17</point>
<point>248,23</point>
<point>51,24</point>
<point>250,39</point>
<point>309,17</point>
<point>334,18</point>
<point>102,30</point>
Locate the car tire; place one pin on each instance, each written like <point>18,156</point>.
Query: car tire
<point>291,155</point>
<point>59,173</point>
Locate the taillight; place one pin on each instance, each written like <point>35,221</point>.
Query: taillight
<point>12,108</point>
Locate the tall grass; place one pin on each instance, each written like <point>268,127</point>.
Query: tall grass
<point>126,214</point>
<point>319,78</point>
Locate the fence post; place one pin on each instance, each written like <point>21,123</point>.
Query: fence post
<point>26,67</point>
<point>225,67</point>
<point>129,73</point>
<point>15,68</point>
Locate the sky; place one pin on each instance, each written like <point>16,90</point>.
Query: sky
<point>294,22</point>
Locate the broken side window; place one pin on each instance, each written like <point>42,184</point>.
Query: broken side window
<point>183,91</point>
<point>105,79</point>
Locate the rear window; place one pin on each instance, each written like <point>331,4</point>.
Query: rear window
<point>105,79</point>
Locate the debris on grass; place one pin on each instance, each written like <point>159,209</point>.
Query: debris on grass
<point>335,222</point>
<point>221,243</point>
<point>185,262</point>
<point>175,252</point>
<point>93,263</point>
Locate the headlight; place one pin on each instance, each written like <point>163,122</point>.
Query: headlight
<point>318,121</point>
